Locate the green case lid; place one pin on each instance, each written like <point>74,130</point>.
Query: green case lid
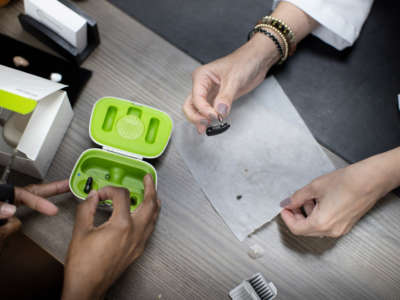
<point>130,127</point>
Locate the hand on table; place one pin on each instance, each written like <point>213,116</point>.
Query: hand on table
<point>217,84</point>
<point>32,196</point>
<point>334,202</point>
<point>98,255</point>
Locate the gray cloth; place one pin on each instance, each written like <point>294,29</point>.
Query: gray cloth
<point>266,155</point>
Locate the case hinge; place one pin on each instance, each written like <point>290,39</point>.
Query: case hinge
<point>125,153</point>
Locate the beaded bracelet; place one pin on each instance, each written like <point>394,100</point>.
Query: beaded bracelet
<point>272,37</point>
<point>283,28</point>
<point>285,43</point>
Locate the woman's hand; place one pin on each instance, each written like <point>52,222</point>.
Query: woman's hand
<point>333,203</point>
<point>98,255</point>
<point>219,83</point>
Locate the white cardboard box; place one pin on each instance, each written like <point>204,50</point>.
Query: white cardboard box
<point>61,19</point>
<point>51,114</point>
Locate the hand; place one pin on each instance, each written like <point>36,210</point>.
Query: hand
<point>98,255</point>
<point>12,226</point>
<point>34,196</point>
<point>333,203</point>
<point>217,84</point>
<point>31,196</point>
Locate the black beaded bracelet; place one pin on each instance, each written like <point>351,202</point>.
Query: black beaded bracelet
<point>271,36</point>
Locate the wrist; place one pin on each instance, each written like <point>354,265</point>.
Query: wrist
<point>383,172</point>
<point>265,49</point>
<point>76,288</point>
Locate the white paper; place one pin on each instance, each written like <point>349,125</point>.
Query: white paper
<point>26,85</point>
<point>266,155</point>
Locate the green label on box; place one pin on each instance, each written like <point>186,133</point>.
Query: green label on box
<point>16,103</point>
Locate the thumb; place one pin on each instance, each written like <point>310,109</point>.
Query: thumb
<point>7,210</point>
<point>85,212</point>
<point>13,225</point>
<point>300,197</point>
<point>223,101</point>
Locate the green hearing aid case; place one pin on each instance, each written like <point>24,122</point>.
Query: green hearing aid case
<point>128,132</point>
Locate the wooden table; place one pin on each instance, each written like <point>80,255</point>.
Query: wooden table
<point>193,254</point>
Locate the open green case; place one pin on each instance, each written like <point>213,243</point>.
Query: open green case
<point>128,132</point>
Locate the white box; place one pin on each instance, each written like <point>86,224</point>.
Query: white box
<point>51,114</point>
<point>61,19</point>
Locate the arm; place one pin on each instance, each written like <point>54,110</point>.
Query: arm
<point>219,83</point>
<point>97,256</point>
<point>335,202</point>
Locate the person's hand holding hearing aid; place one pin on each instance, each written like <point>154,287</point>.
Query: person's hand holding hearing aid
<point>98,255</point>
<point>33,196</point>
<point>219,83</point>
<point>334,202</point>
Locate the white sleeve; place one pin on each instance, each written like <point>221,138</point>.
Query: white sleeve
<point>340,20</point>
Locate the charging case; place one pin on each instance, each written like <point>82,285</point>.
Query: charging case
<point>127,132</point>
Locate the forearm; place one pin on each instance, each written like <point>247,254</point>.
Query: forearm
<point>300,23</point>
<point>384,171</point>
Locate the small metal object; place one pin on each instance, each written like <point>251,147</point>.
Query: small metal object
<point>19,61</point>
<point>88,185</point>
<point>219,128</point>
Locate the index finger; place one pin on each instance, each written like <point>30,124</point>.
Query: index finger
<point>297,223</point>
<point>202,86</point>
<point>49,189</point>
<point>35,202</point>
<point>120,200</point>
<point>149,207</point>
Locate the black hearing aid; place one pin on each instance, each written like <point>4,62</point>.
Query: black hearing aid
<point>219,128</point>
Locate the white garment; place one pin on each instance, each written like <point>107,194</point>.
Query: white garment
<point>340,20</point>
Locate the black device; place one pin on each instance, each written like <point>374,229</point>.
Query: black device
<point>59,44</point>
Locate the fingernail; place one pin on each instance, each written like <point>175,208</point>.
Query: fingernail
<point>92,193</point>
<point>222,108</point>
<point>8,210</point>
<point>285,202</point>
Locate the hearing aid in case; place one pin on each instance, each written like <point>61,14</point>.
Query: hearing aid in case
<point>128,132</point>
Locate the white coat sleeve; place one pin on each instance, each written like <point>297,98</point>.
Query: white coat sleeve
<point>340,20</point>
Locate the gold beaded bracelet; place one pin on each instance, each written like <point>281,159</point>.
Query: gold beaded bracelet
<point>285,43</point>
<point>283,28</point>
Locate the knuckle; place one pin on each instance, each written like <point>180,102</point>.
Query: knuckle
<point>123,225</point>
<point>33,188</point>
<point>320,223</point>
<point>294,230</point>
<point>124,192</point>
<point>338,231</point>
<point>197,72</point>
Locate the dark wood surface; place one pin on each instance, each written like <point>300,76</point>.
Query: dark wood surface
<point>192,254</point>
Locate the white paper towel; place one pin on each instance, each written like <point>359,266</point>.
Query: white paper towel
<point>266,155</point>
